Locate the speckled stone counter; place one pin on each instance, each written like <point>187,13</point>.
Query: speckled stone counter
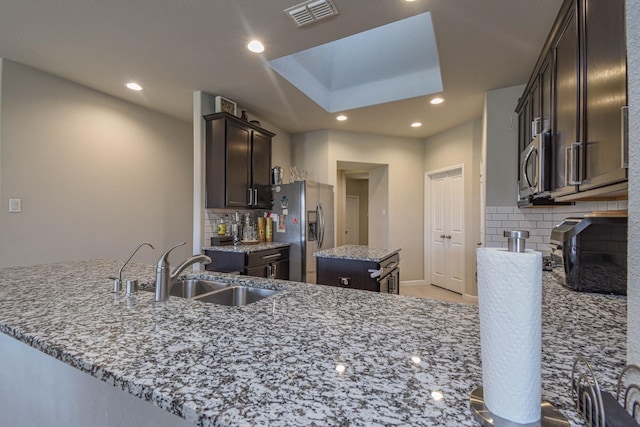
<point>357,252</point>
<point>247,248</point>
<point>274,362</point>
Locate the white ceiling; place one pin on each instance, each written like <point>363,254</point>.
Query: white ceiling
<point>175,47</point>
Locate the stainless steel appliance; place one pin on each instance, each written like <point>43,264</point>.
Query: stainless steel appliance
<point>305,210</point>
<point>590,254</point>
<point>535,169</point>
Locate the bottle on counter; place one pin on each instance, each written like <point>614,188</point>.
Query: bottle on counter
<point>222,227</point>
<point>269,230</point>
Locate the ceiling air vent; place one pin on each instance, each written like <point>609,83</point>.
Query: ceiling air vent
<point>311,11</point>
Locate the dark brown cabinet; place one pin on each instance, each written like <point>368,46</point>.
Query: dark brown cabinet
<point>356,274</point>
<point>238,163</point>
<point>565,123</point>
<point>268,263</point>
<point>605,94</point>
<point>578,91</point>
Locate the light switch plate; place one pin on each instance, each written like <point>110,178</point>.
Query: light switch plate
<point>15,205</point>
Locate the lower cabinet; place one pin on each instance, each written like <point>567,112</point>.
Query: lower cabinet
<point>356,274</point>
<point>268,263</point>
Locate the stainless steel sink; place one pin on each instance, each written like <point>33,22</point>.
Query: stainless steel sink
<point>190,288</point>
<point>236,295</point>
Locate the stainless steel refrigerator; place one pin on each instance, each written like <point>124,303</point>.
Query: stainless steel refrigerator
<point>305,219</point>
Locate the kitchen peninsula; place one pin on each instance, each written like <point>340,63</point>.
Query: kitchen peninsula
<point>309,355</point>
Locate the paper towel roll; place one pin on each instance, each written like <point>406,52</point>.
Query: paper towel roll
<point>510,301</point>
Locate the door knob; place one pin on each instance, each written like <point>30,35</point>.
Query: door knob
<point>448,236</point>
<point>442,236</point>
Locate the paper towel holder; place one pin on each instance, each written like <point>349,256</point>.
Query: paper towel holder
<point>549,415</point>
<point>516,239</point>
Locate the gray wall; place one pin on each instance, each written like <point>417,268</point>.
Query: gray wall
<point>633,286</point>
<point>96,175</point>
<point>501,141</point>
<point>461,146</point>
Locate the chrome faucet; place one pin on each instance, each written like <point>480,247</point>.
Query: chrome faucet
<point>117,281</point>
<point>164,277</point>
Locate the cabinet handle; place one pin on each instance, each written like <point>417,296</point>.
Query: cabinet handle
<point>274,271</point>
<point>255,196</point>
<point>625,136</point>
<point>250,197</point>
<point>278,255</point>
<point>572,164</point>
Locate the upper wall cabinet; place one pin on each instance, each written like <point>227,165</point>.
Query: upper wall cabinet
<point>580,83</point>
<point>238,163</point>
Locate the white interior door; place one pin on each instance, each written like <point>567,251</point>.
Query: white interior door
<point>352,221</point>
<point>447,234</point>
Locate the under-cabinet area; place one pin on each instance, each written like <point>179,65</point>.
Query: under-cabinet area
<point>572,116</point>
<point>269,260</point>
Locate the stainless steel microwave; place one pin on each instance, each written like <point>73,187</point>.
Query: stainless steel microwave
<point>535,169</point>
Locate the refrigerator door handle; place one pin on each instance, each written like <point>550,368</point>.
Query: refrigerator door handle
<point>320,225</point>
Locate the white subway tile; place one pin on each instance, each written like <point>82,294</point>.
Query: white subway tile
<point>509,224</point>
<point>540,232</point>
<point>623,204</point>
<point>526,225</point>
<point>500,217</point>
<point>495,224</point>
<point>505,209</point>
<point>535,217</point>
<point>491,209</point>
<point>545,224</point>
<point>517,217</point>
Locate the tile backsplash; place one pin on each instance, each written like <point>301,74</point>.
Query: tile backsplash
<point>537,221</point>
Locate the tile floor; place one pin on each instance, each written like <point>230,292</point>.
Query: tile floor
<point>434,292</point>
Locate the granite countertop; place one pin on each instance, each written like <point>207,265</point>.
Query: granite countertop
<point>247,248</point>
<point>357,252</point>
<point>274,362</point>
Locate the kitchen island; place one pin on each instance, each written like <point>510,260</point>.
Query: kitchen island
<point>360,267</point>
<point>309,355</point>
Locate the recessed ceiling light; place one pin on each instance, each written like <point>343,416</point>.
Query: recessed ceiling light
<point>437,101</point>
<point>416,124</point>
<point>255,46</point>
<point>341,118</point>
<point>133,86</point>
<point>409,1</point>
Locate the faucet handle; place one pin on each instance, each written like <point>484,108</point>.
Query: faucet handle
<point>163,262</point>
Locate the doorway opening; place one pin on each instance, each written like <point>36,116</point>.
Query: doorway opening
<point>358,191</point>
<point>445,228</point>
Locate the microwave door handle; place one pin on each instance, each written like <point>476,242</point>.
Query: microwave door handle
<point>524,169</point>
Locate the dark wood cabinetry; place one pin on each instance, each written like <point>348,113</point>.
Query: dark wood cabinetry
<point>269,263</point>
<point>354,273</point>
<point>578,90</point>
<point>238,163</point>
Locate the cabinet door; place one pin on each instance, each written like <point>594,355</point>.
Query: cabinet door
<point>605,93</point>
<point>238,167</point>
<point>566,89</point>
<point>257,271</point>
<point>261,166</point>
<point>280,269</point>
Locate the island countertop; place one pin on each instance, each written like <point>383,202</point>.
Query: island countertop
<point>357,252</point>
<point>274,362</point>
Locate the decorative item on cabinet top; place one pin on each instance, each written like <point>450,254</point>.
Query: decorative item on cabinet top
<point>224,105</point>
